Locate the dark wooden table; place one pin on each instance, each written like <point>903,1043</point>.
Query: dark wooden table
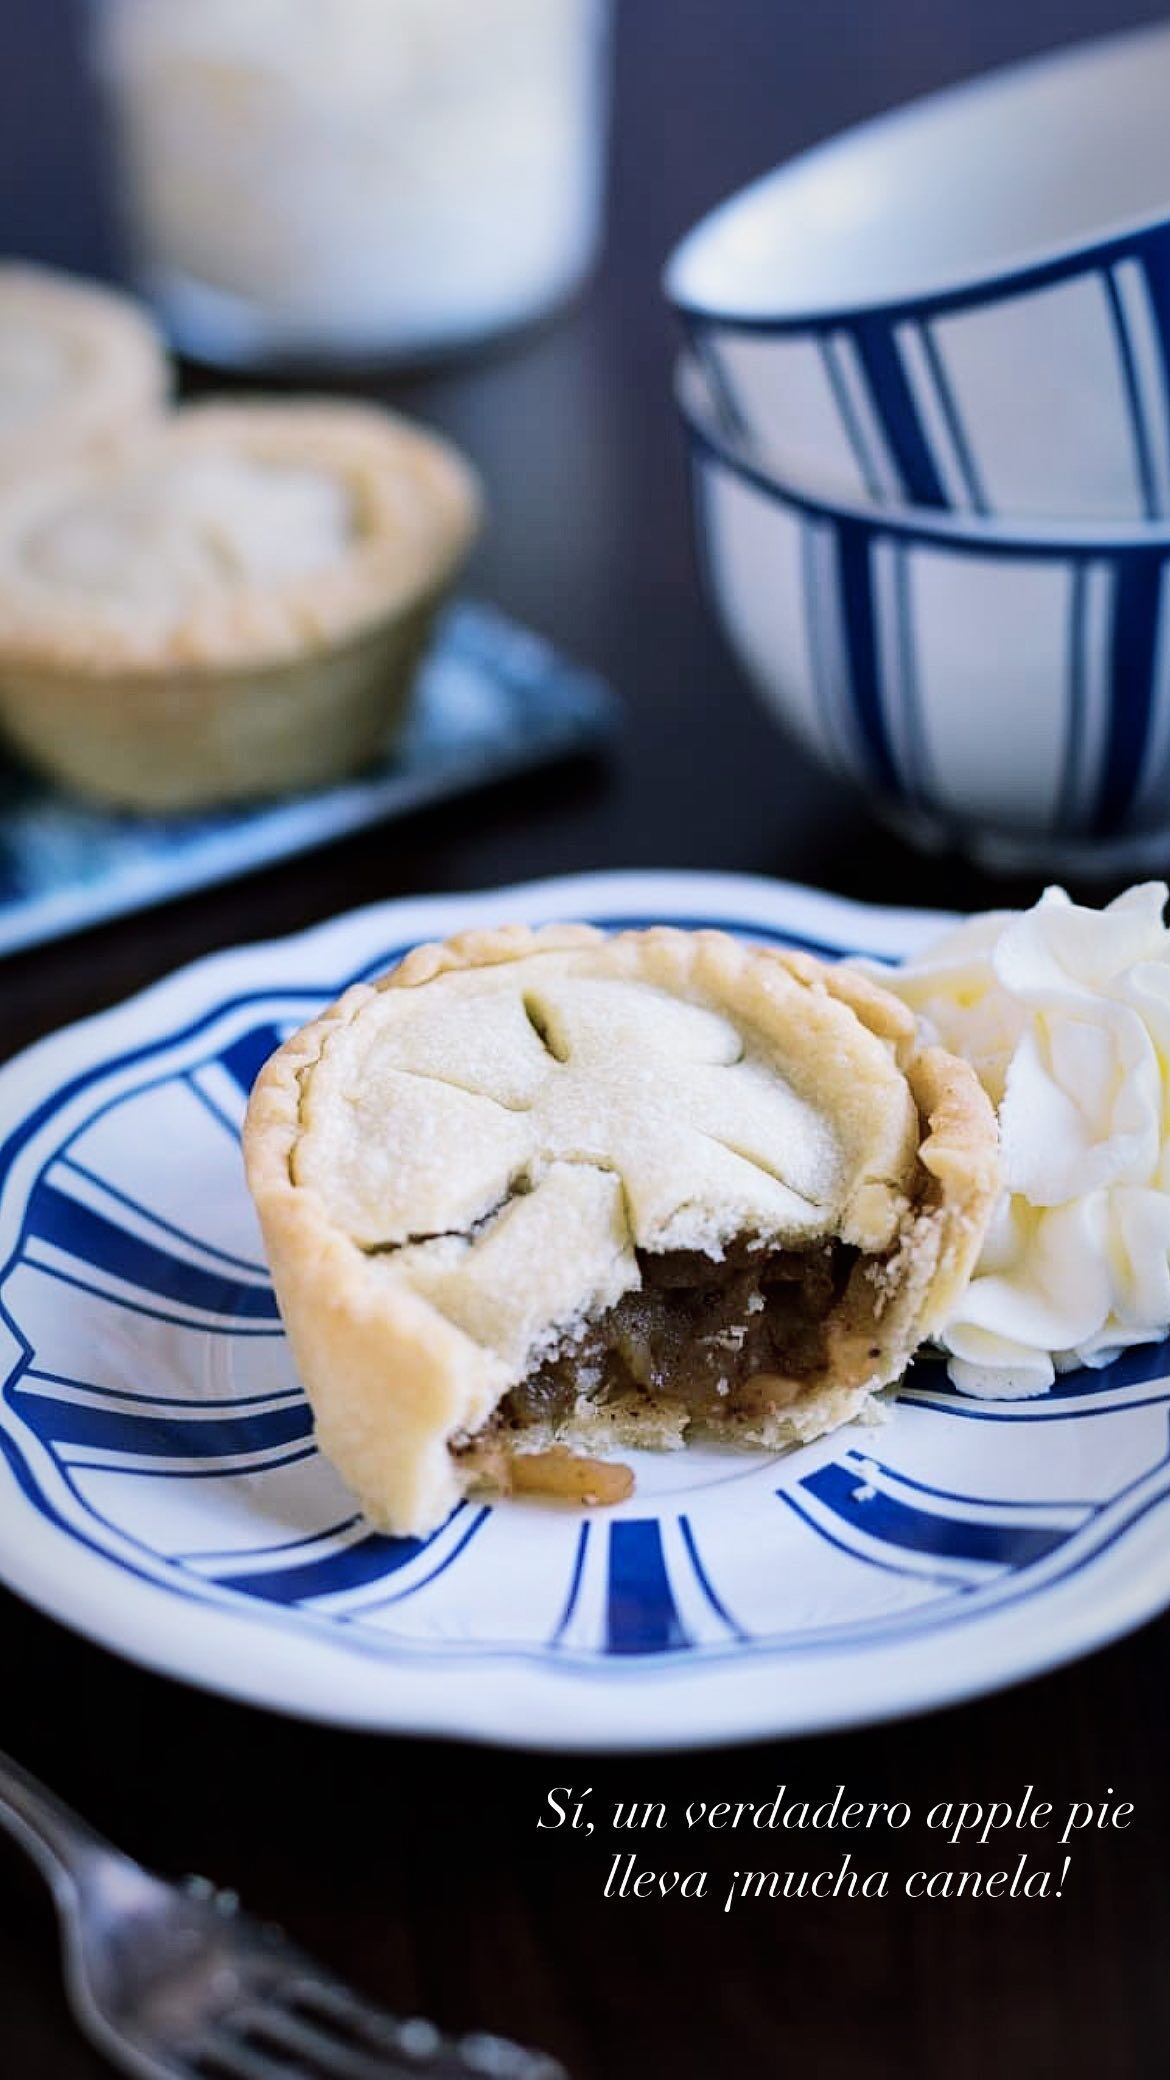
<point>417,1868</point>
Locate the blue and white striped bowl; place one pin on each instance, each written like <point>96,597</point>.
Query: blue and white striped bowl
<point>986,684</point>
<point>963,305</point>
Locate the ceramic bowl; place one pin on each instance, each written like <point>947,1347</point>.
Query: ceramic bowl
<point>1001,687</point>
<point>964,305</point>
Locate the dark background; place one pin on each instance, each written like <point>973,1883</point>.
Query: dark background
<point>417,1868</point>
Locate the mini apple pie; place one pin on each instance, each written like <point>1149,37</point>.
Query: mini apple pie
<point>80,366</point>
<point>538,1194</point>
<point>231,604</point>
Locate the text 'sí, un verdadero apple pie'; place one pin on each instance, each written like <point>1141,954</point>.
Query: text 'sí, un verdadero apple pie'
<point>537,1194</point>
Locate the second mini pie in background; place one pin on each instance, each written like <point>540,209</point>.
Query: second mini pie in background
<point>81,366</point>
<point>543,1192</point>
<point>231,604</point>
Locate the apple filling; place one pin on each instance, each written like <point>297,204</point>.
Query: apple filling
<point>712,1343</point>
<point>719,1337</point>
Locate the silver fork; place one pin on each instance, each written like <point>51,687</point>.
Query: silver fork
<point>173,1982</point>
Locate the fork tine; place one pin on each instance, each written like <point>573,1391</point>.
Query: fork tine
<point>418,2044</point>
<point>355,2040</point>
<point>319,2049</point>
<point>488,2057</point>
<point>220,2056</point>
<point>269,2043</point>
<point>331,2000</point>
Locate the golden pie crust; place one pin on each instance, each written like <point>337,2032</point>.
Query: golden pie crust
<point>244,674</point>
<point>81,366</point>
<point>466,1171</point>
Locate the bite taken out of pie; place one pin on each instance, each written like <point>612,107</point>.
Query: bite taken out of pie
<point>537,1195</point>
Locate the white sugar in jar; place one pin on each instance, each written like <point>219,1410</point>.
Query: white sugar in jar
<point>353,179</point>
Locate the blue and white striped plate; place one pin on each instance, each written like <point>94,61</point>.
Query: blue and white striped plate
<point>162,1494</point>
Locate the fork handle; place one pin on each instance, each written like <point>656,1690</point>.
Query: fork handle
<point>62,1845</point>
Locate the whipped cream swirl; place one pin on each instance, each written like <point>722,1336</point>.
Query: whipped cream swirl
<point>1064,1012</point>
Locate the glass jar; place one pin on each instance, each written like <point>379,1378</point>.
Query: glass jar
<point>346,180</point>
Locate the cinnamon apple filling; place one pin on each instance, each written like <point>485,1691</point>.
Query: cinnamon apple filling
<point>709,1343</point>
<point>718,1338</point>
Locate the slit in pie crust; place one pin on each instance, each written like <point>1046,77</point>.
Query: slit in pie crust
<point>540,1194</point>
